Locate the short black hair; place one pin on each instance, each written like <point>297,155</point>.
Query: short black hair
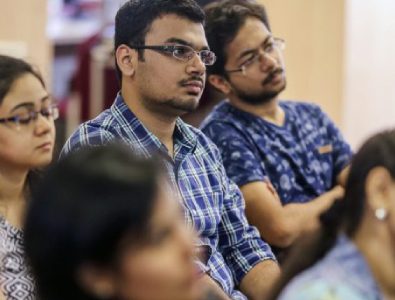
<point>134,18</point>
<point>84,208</point>
<point>223,21</point>
<point>11,69</point>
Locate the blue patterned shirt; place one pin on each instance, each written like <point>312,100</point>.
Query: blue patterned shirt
<point>213,204</point>
<point>342,274</point>
<point>302,158</point>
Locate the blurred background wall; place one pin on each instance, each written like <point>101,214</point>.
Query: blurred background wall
<point>23,32</point>
<point>369,89</point>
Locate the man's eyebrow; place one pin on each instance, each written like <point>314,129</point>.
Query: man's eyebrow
<point>184,42</point>
<point>249,51</point>
<point>29,104</point>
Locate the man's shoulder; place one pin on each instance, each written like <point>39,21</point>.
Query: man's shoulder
<point>95,132</point>
<point>221,113</point>
<point>299,106</point>
<point>204,146</point>
<point>222,120</point>
<point>199,135</point>
<point>302,112</point>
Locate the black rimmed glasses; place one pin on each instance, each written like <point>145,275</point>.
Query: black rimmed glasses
<point>274,44</point>
<point>28,117</point>
<point>181,52</point>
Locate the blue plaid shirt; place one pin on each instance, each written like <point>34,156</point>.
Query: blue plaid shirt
<point>213,204</point>
<point>301,159</point>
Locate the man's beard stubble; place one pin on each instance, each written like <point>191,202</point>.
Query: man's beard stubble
<point>175,106</point>
<point>264,96</point>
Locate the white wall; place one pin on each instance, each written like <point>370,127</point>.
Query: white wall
<point>369,78</point>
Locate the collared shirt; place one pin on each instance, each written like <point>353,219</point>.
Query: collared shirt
<point>301,159</point>
<point>213,204</point>
<point>342,274</point>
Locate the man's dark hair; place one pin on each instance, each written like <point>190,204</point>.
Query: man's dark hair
<point>223,21</point>
<point>86,208</point>
<point>134,18</point>
<point>12,69</point>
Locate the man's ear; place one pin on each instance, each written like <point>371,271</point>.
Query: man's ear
<point>220,83</point>
<point>126,60</point>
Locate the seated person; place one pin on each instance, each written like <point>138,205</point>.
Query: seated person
<point>27,137</point>
<point>161,57</point>
<point>102,225</point>
<point>286,157</point>
<point>352,257</point>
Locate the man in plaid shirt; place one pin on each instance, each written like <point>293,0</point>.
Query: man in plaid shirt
<point>161,57</point>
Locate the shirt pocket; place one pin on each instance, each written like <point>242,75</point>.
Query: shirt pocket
<point>322,164</point>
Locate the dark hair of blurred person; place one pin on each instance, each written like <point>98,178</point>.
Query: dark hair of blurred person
<point>103,226</point>
<point>352,257</point>
<point>27,136</point>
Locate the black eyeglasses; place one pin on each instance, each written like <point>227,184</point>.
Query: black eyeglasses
<point>27,118</point>
<point>267,49</point>
<point>181,52</point>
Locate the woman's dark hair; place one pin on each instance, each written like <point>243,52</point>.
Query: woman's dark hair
<point>10,70</point>
<point>82,212</point>
<point>345,215</point>
<point>134,19</point>
<point>224,19</point>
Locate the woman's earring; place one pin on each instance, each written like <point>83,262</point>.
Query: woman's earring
<point>381,214</point>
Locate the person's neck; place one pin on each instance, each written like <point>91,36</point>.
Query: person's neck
<point>377,246</point>
<point>161,125</point>
<point>12,195</point>
<point>269,111</point>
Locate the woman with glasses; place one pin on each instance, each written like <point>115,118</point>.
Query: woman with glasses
<point>27,135</point>
<point>352,256</point>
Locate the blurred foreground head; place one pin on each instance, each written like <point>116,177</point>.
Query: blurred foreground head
<point>103,226</point>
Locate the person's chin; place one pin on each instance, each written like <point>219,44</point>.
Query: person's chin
<point>277,86</point>
<point>43,161</point>
<point>187,105</point>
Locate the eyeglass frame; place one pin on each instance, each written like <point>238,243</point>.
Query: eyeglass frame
<point>33,116</point>
<point>171,48</point>
<point>251,61</point>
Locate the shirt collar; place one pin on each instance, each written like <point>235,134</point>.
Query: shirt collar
<point>183,136</point>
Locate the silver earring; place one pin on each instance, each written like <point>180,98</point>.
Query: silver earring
<point>380,213</point>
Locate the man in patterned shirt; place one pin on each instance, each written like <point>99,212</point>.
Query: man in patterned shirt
<point>161,57</point>
<point>282,154</point>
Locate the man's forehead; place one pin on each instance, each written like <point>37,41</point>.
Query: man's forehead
<point>252,34</point>
<point>172,26</point>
